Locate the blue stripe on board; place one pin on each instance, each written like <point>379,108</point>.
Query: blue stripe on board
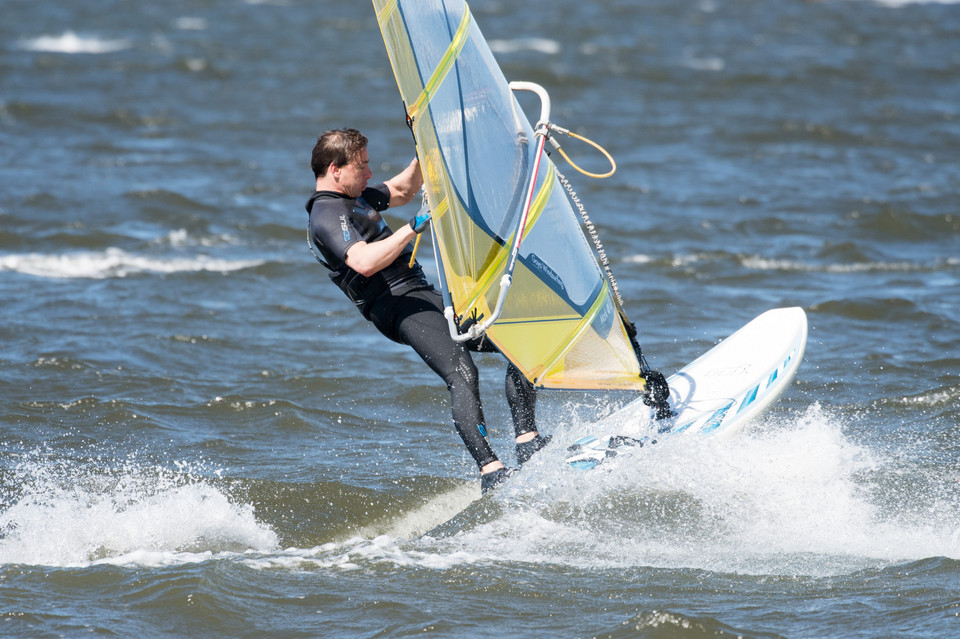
<point>716,419</point>
<point>749,399</point>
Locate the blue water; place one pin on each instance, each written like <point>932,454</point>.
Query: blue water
<point>200,437</point>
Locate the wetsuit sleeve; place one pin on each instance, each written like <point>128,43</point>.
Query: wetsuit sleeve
<point>332,232</point>
<point>378,196</point>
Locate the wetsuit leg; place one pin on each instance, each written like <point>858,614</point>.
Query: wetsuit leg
<point>416,319</point>
<point>522,398</point>
<point>521,395</point>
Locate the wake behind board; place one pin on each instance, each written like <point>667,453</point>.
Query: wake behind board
<point>716,394</point>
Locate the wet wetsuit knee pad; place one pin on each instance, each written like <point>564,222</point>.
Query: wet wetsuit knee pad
<point>464,374</point>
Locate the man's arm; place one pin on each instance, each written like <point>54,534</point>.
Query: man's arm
<point>405,184</point>
<point>369,258</point>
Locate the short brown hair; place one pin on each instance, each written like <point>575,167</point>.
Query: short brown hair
<point>339,147</point>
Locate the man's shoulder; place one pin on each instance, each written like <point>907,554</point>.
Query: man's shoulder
<point>326,199</point>
<point>377,196</point>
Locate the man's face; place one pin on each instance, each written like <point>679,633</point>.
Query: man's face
<point>353,177</point>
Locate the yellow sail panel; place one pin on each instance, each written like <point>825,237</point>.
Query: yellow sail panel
<point>600,356</point>
<point>559,325</point>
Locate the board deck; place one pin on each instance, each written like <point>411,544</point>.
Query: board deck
<point>716,394</point>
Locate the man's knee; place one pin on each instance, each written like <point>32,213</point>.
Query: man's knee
<point>463,375</point>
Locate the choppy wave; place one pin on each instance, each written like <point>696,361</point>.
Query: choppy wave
<point>764,263</point>
<point>360,553</point>
<point>798,498</point>
<point>67,513</point>
<point>704,64</point>
<point>762,164</point>
<point>933,398</point>
<point>789,498</point>
<point>538,45</point>
<point>191,23</point>
<point>72,43</point>
<point>773,264</point>
<point>792,496</point>
<point>663,623</point>
<point>904,3</point>
<point>114,262</point>
<point>181,238</point>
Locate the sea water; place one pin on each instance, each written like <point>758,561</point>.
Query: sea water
<point>200,437</point>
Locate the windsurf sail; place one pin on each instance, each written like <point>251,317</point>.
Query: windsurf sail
<point>484,172</point>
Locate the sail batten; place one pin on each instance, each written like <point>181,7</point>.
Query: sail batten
<point>559,324</point>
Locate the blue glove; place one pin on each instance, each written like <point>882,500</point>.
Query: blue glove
<point>422,219</point>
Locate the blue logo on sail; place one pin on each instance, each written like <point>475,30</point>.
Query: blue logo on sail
<point>548,274</point>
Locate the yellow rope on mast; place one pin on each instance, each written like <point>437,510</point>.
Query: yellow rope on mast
<point>599,176</point>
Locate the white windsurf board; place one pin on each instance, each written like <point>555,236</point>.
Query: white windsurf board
<point>717,394</point>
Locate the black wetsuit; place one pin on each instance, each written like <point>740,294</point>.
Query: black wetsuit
<point>408,310</point>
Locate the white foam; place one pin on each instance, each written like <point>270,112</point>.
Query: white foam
<point>538,45</point>
<point>190,24</point>
<point>795,496</point>
<point>181,238</point>
<point>903,3</point>
<point>69,516</point>
<point>776,264</point>
<point>944,397</point>
<point>113,262</point>
<point>704,64</point>
<point>767,264</point>
<point>800,498</point>
<point>70,42</point>
<point>358,553</point>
